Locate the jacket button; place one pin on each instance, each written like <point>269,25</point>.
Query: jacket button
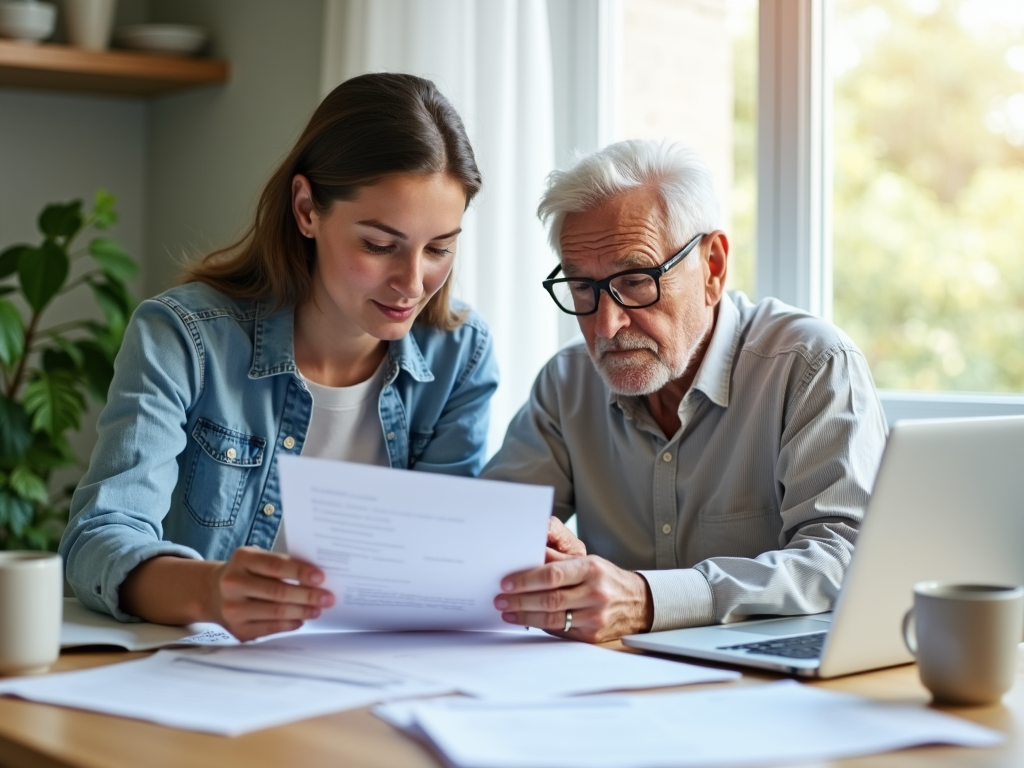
<point>666,528</point>
<point>231,453</point>
<point>289,442</point>
<point>391,435</point>
<point>268,509</point>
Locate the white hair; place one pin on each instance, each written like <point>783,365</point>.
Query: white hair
<point>682,179</point>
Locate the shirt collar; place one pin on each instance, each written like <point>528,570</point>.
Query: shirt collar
<point>273,348</point>
<point>715,372</point>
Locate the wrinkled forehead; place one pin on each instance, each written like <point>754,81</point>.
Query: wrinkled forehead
<point>625,231</point>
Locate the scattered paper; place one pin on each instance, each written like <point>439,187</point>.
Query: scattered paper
<point>169,689</point>
<point>784,722</point>
<point>82,626</point>
<point>410,550</point>
<point>494,665</point>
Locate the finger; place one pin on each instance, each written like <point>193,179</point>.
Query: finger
<point>565,573</point>
<point>253,629</point>
<point>250,587</point>
<point>246,611</point>
<point>554,556</point>
<point>277,566</point>
<point>549,601</point>
<point>563,540</point>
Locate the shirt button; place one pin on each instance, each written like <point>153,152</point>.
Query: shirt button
<point>666,457</point>
<point>289,442</point>
<point>666,529</point>
<point>391,435</point>
<point>268,509</point>
<point>232,453</point>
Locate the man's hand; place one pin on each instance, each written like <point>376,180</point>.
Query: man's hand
<point>250,595</point>
<point>606,601</point>
<point>561,542</point>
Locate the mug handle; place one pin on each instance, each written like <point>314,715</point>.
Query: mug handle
<point>910,637</point>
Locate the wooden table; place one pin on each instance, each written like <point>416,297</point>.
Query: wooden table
<point>42,736</point>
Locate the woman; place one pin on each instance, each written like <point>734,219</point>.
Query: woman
<point>328,331</point>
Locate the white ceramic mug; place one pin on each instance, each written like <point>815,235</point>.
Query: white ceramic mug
<point>31,604</point>
<point>965,639</point>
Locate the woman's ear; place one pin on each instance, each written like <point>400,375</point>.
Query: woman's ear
<point>717,261</point>
<point>306,217</point>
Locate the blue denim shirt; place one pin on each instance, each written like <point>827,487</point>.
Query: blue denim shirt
<point>206,394</point>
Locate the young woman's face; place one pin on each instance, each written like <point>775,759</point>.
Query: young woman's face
<point>383,255</point>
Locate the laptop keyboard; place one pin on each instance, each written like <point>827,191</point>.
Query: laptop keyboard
<point>798,647</point>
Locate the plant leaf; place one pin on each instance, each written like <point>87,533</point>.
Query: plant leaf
<point>46,455</point>
<point>15,512</point>
<point>58,220</point>
<point>12,333</point>
<point>28,484</point>
<point>99,371</point>
<point>9,259</point>
<point>113,307</point>
<point>15,432</point>
<point>71,349</point>
<point>103,214</point>
<point>112,259</point>
<point>58,360</point>
<point>42,272</point>
<point>54,403</point>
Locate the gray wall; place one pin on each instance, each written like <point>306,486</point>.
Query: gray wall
<point>185,167</point>
<point>211,149</point>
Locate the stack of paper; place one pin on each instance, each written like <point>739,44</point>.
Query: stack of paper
<point>496,665</point>
<point>777,723</point>
<point>169,689</point>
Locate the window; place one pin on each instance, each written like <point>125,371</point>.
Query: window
<point>688,72</point>
<point>928,230</point>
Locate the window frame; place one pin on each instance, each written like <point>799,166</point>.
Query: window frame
<point>794,186</point>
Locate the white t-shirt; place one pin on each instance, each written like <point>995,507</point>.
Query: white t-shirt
<point>345,425</point>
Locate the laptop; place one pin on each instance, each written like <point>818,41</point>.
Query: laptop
<point>948,504</point>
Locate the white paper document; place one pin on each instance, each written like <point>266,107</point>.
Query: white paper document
<point>779,723</point>
<point>497,665</point>
<point>82,626</point>
<point>410,550</point>
<point>170,689</point>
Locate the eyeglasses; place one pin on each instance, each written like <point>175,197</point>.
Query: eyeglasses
<point>632,289</point>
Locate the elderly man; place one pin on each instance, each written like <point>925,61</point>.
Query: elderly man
<point>717,453</point>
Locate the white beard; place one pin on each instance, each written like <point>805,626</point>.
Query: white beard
<point>641,374</point>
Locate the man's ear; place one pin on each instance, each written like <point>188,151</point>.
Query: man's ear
<point>303,209</point>
<point>716,267</point>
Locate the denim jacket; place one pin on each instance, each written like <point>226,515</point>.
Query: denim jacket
<point>206,394</point>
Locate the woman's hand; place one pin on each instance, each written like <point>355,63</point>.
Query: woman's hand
<point>255,593</point>
<point>258,593</point>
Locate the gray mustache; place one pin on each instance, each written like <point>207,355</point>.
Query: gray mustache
<point>624,341</point>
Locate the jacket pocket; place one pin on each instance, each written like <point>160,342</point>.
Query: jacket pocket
<point>418,442</point>
<point>221,463</point>
<point>740,534</point>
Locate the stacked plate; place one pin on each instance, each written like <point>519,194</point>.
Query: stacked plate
<point>177,39</point>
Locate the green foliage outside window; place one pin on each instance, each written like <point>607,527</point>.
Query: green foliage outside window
<point>929,190</point>
<point>46,371</point>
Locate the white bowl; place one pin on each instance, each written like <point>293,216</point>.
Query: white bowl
<point>165,38</point>
<point>27,22</point>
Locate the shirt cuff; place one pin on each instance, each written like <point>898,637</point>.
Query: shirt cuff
<point>682,598</point>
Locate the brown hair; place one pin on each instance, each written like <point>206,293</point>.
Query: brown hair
<point>366,128</point>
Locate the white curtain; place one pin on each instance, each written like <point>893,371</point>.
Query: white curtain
<point>492,58</point>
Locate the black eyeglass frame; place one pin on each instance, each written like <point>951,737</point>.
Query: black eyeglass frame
<point>605,285</point>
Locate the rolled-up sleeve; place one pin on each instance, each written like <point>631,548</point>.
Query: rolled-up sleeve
<point>118,507</point>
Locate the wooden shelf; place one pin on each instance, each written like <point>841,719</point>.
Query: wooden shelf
<point>63,68</point>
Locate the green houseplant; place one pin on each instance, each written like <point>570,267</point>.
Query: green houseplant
<point>46,371</point>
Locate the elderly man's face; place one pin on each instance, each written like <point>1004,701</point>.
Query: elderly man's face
<point>638,351</point>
